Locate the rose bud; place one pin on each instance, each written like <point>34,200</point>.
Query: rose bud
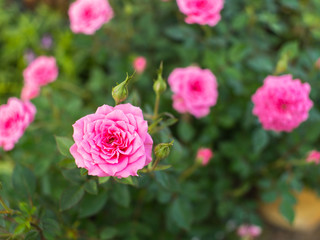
<point>120,92</point>
<point>162,150</point>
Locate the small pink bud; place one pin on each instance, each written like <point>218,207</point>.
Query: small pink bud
<point>249,231</point>
<point>140,64</point>
<point>313,156</point>
<point>204,155</point>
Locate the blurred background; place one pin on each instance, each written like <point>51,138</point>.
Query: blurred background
<point>252,177</point>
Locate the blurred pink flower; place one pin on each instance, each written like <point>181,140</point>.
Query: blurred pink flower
<point>29,91</point>
<point>203,12</point>
<point>87,16</point>
<point>282,103</point>
<point>204,155</point>
<point>318,63</point>
<point>140,64</point>
<point>41,71</point>
<point>114,141</point>
<point>195,90</point>
<point>16,116</point>
<point>251,231</point>
<point>313,156</point>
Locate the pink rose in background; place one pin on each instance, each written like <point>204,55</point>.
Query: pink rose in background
<point>16,116</point>
<point>140,64</point>
<point>249,231</point>
<point>114,141</point>
<point>195,90</point>
<point>282,103</point>
<point>313,156</point>
<point>317,64</point>
<point>87,16</point>
<point>203,12</point>
<point>41,71</point>
<point>204,155</point>
<point>30,91</point>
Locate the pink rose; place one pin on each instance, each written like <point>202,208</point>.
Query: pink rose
<point>16,116</point>
<point>29,91</point>
<point>87,16</point>
<point>195,90</point>
<point>282,103</point>
<point>140,64</point>
<point>251,231</point>
<point>204,155</point>
<point>313,156</point>
<point>114,141</point>
<point>41,71</point>
<point>201,11</point>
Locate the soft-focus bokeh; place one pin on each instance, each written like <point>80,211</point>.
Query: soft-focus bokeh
<point>254,39</point>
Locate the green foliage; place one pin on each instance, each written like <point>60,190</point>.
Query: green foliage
<point>46,196</point>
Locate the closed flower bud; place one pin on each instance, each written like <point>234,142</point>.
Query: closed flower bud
<point>162,150</point>
<point>120,92</point>
<point>160,85</point>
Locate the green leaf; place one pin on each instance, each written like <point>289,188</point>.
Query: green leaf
<point>91,186</point>
<point>108,233</point>
<point>32,235</point>
<point>64,145</point>
<point>73,175</point>
<point>181,212</point>
<point>286,207</point>
<point>67,163</point>
<point>90,205</point>
<point>165,180</point>
<point>83,172</point>
<point>186,131</point>
<point>269,196</point>
<point>23,181</point>
<point>20,229</point>
<point>51,228</point>
<point>103,179</point>
<point>133,181</point>
<point>260,140</point>
<point>70,197</point>
<point>121,195</point>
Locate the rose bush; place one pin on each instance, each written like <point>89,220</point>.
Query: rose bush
<point>43,193</point>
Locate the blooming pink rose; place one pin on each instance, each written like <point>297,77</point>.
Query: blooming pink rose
<point>195,90</point>
<point>313,156</point>
<point>29,91</point>
<point>251,231</point>
<point>201,11</point>
<point>204,155</point>
<point>114,141</point>
<point>41,71</point>
<point>87,16</point>
<point>16,116</point>
<point>282,103</point>
<point>140,64</point>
